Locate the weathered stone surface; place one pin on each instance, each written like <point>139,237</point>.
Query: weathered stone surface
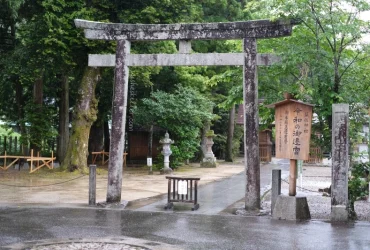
<point>184,47</point>
<point>210,59</point>
<point>339,213</point>
<point>291,208</point>
<point>117,141</point>
<point>340,161</point>
<point>251,125</point>
<point>208,163</point>
<point>92,185</point>
<point>166,152</point>
<point>209,160</point>
<point>152,32</point>
<point>275,187</point>
<point>167,170</point>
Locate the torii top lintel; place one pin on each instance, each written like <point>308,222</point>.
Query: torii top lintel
<point>191,31</point>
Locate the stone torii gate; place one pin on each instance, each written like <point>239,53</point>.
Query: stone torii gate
<point>124,34</point>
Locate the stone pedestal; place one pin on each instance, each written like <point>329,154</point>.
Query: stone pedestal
<point>166,152</point>
<point>339,213</point>
<point>209,160</point>
<point>291,208</point>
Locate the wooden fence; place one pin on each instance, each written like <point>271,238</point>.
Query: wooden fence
<point>12,145</point>
<point>315,155</point>
<point>265,153</point>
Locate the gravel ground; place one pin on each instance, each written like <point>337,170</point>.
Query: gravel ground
<point>315,178</point>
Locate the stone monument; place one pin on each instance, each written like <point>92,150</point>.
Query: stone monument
<point>166,152</point>
<point>340,162</point>
<point>209,160</point>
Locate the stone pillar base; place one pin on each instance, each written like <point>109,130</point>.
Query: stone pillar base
<point>166,171</point>
<point>208,163</point>
<point>291,208</point>
<point>339,213</point>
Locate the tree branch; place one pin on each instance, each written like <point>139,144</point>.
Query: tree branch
<point>309,27</point>
<point>296,77</point>
<point>320,25</point>
<point>349,65</point>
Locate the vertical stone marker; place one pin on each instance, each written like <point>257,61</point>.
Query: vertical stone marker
<point>293,132</point>
<point>340,162</point>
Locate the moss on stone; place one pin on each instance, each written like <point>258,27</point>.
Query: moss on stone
<point>208,164</point>
<point>210,133</point>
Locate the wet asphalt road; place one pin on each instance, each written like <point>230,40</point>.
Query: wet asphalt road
<point>183,231</point>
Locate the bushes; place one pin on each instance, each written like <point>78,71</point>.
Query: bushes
<point>182,113</point>
<point>358,185</point>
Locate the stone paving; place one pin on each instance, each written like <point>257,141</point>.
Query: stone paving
<point>140,189</point>
<point>23,188</point>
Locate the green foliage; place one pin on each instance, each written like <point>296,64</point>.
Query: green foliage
<point>38,125</point>
<point>358,185</point>
<point>158,11</point>
<point>6,131</point>
<point>237,139</point>
<point>324,61</point>
<point>182,113</point>
<point>48,46</point>
<point>361,170</point>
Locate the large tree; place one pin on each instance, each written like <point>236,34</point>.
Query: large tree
<point>84,116</point>
<point>319,59</point>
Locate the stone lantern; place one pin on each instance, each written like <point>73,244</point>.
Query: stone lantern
<point>166,152</point>
<point>209,160</point>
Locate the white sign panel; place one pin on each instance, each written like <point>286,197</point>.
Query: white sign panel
<point>182,187</point>
<point>149,162</point>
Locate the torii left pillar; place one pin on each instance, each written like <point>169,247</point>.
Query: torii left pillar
<point>118,121</point>
<point>251,125</point>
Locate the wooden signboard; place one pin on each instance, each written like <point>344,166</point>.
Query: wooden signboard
<point>293,129</point>
<point>292,132</point>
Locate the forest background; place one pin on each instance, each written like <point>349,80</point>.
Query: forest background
<point>47,90</point>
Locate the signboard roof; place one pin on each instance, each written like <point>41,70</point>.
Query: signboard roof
<point>286,101</point>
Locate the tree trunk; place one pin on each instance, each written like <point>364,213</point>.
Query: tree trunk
<point>38,95</point>
<point>85,113</point>
<point>150,142</point>
<point>20,114</point>
<point>230,135</point>
<point>106,137</point>
<point>96,142</point>
<point>63,118</point>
